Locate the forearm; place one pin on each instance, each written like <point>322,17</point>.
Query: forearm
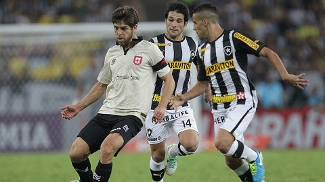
<point>276,62</point>
<point>169,86</point>
<point>198,89</point>
<point>93,95</point>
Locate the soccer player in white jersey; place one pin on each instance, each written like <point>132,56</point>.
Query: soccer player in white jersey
<point>128,76</point>
<point>223,64</point>
<point>179,51</point>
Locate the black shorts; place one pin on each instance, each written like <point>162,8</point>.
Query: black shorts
<point>102,125</point>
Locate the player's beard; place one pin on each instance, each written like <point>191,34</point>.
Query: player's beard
<point>174,35</point>
<point>127,41</point>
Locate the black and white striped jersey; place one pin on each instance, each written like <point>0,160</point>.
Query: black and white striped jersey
<point>179,56</point>
<point>223,63</point>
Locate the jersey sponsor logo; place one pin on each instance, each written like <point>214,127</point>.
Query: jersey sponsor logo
<point>202,50</point>
<point>127,77</point>
<point>217,67</point>
<point>137,60</point>
<point>177,65</point>
<point>223,98</point>
<point>246,40</point>
<point>228,98</point>
<point>227,50</point>
<point>162,44</point>
<point>157,98</point>
<point>175,116</point>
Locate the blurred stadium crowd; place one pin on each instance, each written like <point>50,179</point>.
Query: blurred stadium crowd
<point>295,29</point>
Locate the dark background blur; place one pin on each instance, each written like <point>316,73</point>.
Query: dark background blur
<point>294,29</point>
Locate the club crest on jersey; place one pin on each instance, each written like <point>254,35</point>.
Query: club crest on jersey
<point>192,54</point>
<point>227,50</point>
<point>137,60</point>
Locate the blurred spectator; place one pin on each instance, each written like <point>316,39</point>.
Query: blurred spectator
<point>85,82</point>
<point>270,93</point>
<point>294,28</point>
<point>137,4</point>
<point>17,89</point>
<point>67,78</point>
<point>315,96</point>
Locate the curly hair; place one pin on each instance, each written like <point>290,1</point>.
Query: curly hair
<point>179,7</point>
<point>126,14</point>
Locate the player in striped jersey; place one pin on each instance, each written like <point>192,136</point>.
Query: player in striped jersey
<point>179,52</point>
<point>223,64</point>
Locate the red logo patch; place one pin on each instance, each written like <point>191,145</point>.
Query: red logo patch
<point>240,95</point>
<point>163,61</point>
<point>137,60</point>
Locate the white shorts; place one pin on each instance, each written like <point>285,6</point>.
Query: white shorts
<point>235,119</point>
<point>178,121</point>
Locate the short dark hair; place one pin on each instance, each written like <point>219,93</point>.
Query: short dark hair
<point>126,14</point>
<point>207,10</point>
<point>179,7</point>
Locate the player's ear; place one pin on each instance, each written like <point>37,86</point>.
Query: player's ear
<point>135,27</point>
<point>185,24</point>
<point>206,21</point>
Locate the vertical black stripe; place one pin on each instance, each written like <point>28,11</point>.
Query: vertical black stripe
<point>192,47</point>
<point>177,57</point>
<point>220,80</point>
<point>159,81</point>
<point>227,49</point>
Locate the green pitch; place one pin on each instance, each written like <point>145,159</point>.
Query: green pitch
<point>281,166</point>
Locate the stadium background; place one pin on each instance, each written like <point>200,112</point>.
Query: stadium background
<point>45,45</point>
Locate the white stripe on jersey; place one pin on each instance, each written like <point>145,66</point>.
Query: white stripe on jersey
<point>177,51</point>
<point>225,63</point>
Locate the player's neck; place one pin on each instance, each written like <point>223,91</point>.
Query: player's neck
<point>180,37</point>
<point>215,32</point>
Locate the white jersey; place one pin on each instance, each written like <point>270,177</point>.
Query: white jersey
<point>130,76</point>
<point>179,56</point>
<point>224,64</point>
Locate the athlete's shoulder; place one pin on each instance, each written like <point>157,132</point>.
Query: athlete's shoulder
<point>157,37</point>
<point>189,38</point>
<point>114,49</point>
<point>146,43</point>
<point>241,39</point>
<point>240,34</point>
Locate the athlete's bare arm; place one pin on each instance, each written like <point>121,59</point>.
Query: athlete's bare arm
<point>199,88</point>
<point>169,86</point>
<point>69,111</point>
<point>291,79</point>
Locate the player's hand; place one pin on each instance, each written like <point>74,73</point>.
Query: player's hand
<point>158,114</point>
<point>296,80</point>
<point>208,97</point>
<point>176,101</point>
<point>69,111</point>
